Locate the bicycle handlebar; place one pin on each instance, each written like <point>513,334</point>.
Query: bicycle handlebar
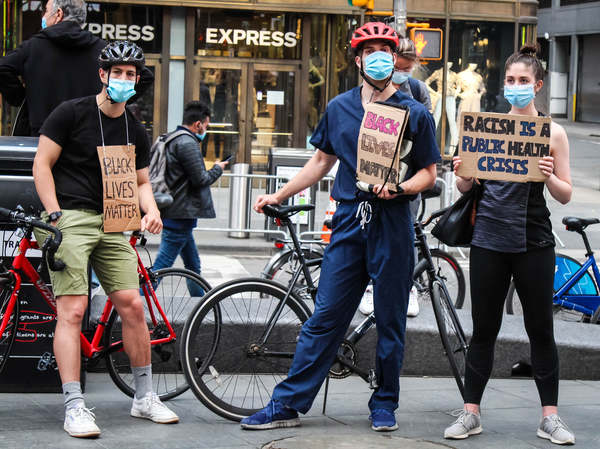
<point>50,245</point>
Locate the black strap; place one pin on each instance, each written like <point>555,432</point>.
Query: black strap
<point>182,181</point>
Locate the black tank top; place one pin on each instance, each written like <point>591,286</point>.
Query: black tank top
<point>512,217</point>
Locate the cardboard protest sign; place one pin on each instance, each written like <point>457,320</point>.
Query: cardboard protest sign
<point>381,132</point>
<point>119,188</point>
<point>504,147</point>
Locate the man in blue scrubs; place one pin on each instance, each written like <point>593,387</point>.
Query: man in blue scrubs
<point>372,238</point>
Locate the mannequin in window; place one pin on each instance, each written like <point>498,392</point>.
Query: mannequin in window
<point>471,86</point>
<point>452,91</point>
<point>315,81</point>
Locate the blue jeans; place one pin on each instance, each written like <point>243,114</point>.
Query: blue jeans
<point>179,242</point>
<point>382,252</point>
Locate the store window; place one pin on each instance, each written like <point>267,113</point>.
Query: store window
<point>344,73</point>
<point>248,34</point>
<point>475,75</point>
<point>139,24</point>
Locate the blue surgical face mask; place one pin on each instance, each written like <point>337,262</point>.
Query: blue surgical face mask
<point>379,65</point>
<point>44,23</point>
<point>201,136</point>
<point>400,77</point>
<point>120,90</point>
<point>519,96</point>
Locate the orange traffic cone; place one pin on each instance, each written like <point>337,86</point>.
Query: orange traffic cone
<point>326,236</point>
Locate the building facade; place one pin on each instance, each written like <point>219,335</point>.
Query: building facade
<point>268,67</point>
<point>569,30</point>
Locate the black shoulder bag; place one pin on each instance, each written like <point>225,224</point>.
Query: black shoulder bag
<point>455,226</point>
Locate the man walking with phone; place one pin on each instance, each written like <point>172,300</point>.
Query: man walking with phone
<point>189,182</point>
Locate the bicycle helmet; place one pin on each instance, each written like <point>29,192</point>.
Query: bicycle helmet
<point>374,30</point>
<point>122,52</point>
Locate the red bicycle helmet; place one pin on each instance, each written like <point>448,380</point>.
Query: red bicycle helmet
<point>374,30</point>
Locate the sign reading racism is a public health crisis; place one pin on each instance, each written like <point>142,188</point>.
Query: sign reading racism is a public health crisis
<point>380,135</point>
<point>504,147</point>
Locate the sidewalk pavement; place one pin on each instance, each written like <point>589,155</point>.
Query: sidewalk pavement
<point>510,418</point>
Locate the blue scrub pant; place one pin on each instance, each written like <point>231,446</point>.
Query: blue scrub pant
<point>383,252</point>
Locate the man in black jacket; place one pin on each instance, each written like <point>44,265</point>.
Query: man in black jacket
<point>59,63</point>
<point>189,181</point>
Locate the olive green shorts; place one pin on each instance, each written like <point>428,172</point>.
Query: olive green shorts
<point>84,240</point>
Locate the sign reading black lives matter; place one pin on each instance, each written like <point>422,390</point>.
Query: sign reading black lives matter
<point>381,132</point>
<point>120,188</point>
<point>504,147</point>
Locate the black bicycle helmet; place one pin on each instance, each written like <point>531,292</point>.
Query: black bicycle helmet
<point>122,52</point>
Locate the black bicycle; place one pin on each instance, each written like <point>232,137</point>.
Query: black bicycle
<point>285,262</point>
<point>239,342</point>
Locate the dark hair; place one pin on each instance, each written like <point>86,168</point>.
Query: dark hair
<point>527,55</point>
<point>194,111</point>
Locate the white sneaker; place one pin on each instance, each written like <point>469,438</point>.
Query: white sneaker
<point>366,303</point>
<point>150,407</point>
<point>413,303</point>
<point>80,422</point>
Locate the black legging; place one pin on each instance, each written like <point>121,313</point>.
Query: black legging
<point>490,274</point>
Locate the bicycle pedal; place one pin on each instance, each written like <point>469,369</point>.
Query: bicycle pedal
<point>373,385</point>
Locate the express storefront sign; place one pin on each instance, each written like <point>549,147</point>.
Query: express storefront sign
<point>263,38</point>
<point>109,31</point>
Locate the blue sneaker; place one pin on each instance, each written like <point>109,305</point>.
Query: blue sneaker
<point>273,416</point>
<point>383,420</point>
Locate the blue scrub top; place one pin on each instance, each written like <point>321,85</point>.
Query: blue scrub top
<point>337,134</point>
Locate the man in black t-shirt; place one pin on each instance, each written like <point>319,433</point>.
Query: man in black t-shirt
<point>69,181</point>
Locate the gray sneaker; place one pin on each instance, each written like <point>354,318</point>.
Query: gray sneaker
<point>554,429</point>
<point>466,424</point>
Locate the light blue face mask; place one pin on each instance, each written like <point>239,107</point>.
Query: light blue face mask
<point>201,136</point>
<point>120,91</point>
<point>379,65</point>
<point>519,96</point>
<point>400,77</point>
<point>44,23</point>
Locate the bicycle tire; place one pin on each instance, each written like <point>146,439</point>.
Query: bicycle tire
<point>594,320</point>
<point>282,270</point>
<point>172,291</point>
<point>569,265</point>
<point>451,333</point>
<point>221,355</point>
<point>7,338</point>
<point>449,270</point>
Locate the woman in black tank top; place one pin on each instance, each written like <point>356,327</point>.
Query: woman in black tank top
<point>513,239</point>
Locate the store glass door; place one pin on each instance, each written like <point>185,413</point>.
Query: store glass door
<point>222,87</point>
<point>254,108</point>
<point>272,111</point>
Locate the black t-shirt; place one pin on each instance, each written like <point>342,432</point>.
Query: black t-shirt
<point>75,126</point>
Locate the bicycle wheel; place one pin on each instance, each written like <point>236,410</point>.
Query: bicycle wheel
<point>448,270</point>
<point>177,291</point>
<point>11,318</point>
<point>282,270</point>
<point>564,268</point>
<point>226,365</point>
<point>451,333</point>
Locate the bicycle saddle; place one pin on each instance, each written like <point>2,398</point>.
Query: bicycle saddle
<point>283,212</point>
<point>578,224</point>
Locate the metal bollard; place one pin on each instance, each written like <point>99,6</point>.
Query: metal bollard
<point>240,195</point>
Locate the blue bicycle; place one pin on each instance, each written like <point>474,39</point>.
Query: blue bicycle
<point>575,289</point>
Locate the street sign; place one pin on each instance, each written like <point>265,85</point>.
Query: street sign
<point>428,42</point>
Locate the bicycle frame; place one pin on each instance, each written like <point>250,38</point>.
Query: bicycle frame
<point>93,348</point>
<point>586,304</point>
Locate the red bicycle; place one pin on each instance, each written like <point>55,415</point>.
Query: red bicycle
<point>170,294</point>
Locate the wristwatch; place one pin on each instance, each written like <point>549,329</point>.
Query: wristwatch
<point>53,216</point>
<point>399,189</point>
